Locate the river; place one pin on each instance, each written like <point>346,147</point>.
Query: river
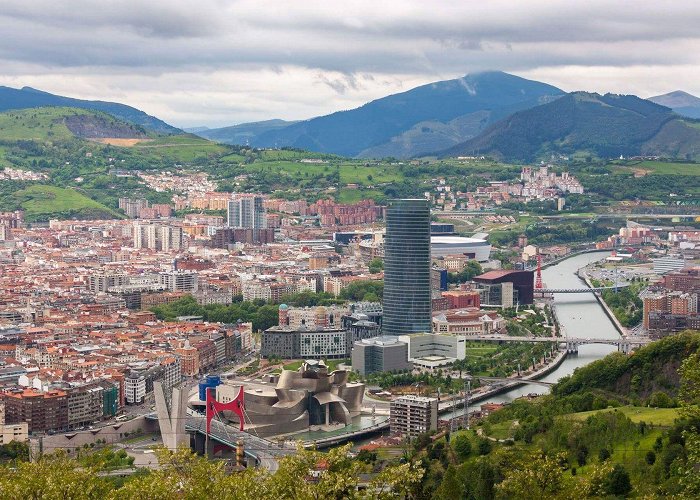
<point>579,314</point>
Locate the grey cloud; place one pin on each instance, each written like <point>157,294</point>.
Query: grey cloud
<point>355,50</point>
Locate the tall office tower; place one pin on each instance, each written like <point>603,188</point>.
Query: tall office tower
<point>407,304</point>
<point>247,211</point>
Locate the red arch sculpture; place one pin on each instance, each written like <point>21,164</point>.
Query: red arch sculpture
<point>214,407</point>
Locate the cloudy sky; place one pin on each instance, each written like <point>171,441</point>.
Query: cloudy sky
<point>220,62</point>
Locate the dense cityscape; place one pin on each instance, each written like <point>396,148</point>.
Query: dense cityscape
<point>483,287</point>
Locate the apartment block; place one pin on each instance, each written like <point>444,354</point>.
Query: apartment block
<point>410,415</point>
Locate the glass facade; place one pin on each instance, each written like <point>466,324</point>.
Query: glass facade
<point>406,300</point>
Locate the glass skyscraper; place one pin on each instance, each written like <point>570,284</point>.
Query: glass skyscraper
<point>407,301</point>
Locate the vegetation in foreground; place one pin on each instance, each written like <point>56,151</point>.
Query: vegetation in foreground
<point>582,441</point>
<point>185,475</point>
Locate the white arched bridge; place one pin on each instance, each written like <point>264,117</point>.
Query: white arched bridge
<point>581,290</point>
<point>623,344</point>
<point>506,380</point>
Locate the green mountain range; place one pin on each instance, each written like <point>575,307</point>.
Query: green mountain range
<point>411,123</point>
<point>28,97</point>
<point>74,150</point>
<point>607,126</point>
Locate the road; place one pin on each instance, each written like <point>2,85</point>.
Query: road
<point>266,452</point>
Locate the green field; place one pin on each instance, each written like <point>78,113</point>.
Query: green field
<point>177,148</point>
<point>40,201</point>
<point>41,124</point>
<point>663,417</point>
<point>658,167</point>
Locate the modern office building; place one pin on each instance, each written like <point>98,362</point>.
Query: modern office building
<point>413,415</point>
<point>380,354</point>
<point>506,288</point>
<point>472,248</point>
<point>316,342</point>
<point>247,211</point>
<point>407,297</point>
<point>431,350</point>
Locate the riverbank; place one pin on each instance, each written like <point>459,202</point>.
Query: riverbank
<point>537,374</point>
<point>559,260</point>
<point>624,331</point>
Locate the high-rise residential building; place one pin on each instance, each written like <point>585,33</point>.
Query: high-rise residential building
<point>247,211</point>
<point>157,237</point>
<point>132,207</point>
<point>413,415</point>
<point>407,298</point>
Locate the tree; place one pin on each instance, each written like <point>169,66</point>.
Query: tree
<point>14,450</point>
<point>376,265</point>
<point>462,446</point>
<point>358,289</point>
<point>650,457</point>
<point>690,397</point>
<point>471,269</point>
<point>582,455</point>
<point>451,486</point>
<point>618,481</point>
<point>484,446</point>
<point>52,476</point>
<point>397,482</point>
<point>603,454</point>
<point>535,477</point>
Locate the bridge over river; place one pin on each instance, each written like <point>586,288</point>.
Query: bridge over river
<point>580,290</point>
<point>266,453</point>
<point>623,344</point>
<point>500,380</point>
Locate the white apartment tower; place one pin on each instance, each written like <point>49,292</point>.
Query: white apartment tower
<point>157,237</point>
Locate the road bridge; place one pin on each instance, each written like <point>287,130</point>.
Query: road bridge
<point>581,290</point>
<point>623,344</point>
<point>501,380</point>
<point>266,453</point>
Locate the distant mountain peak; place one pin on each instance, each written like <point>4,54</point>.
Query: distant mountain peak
<point>681,102</point>
<point>419,120</point>
<point>676,99</point>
